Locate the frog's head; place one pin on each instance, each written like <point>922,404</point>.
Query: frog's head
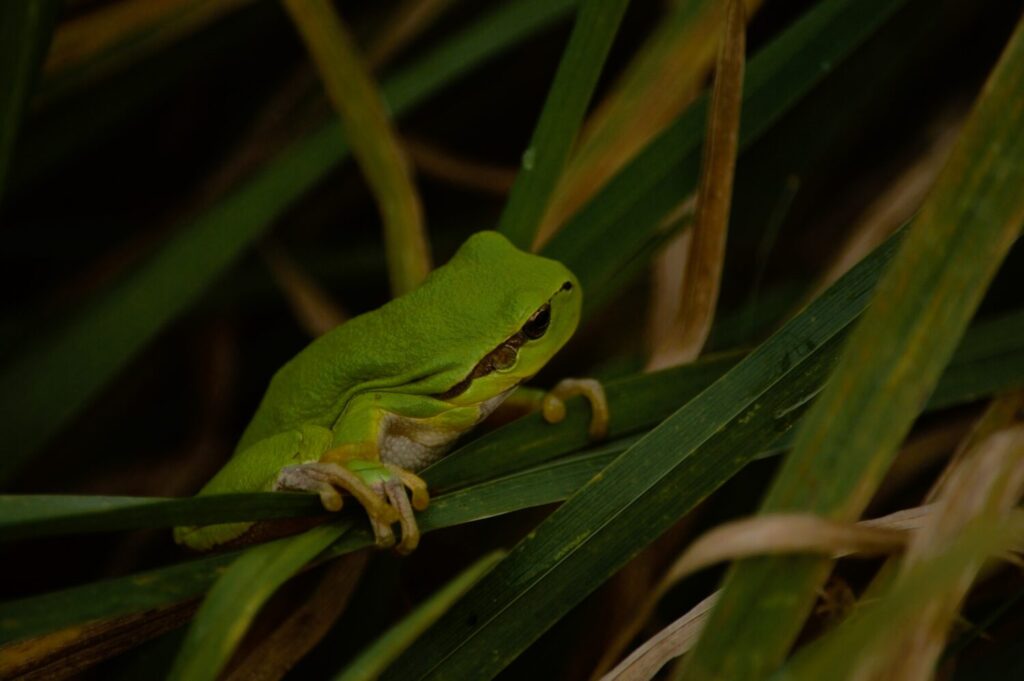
<point>528,307</point>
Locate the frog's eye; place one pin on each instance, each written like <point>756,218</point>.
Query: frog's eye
<point>537,325</point>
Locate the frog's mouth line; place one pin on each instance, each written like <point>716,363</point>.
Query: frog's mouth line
<point>500,357</point>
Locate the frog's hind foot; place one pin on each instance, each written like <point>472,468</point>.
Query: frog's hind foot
<point>379,488</point>
<point>329,480</point>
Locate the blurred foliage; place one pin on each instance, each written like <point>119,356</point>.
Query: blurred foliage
<point>148,148</point>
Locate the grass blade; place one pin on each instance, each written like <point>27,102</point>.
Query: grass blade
<point>890,366</point>
<point>154,588</point>
<point>33,516</point>
<point>597,22</point>
<point>593,243</point>
<point>108,39</point>
<point>354,95</point>
<point>875,621</point>
<point>306,625</point>
<point>702,275</point>
<point>48,385</point>
<point>375,658</point>
<point>664,77</point>
<point>237,596</point>
<point>25,30</point>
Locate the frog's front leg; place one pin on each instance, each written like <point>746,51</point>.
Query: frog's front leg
<point>378,443</point>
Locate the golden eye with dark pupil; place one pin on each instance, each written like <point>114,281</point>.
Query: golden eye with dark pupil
<point>503,357</point>
<point>537,325</point>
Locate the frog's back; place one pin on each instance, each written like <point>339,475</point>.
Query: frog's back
<point>413,343</point>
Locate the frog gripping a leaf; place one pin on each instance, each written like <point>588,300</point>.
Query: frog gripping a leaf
<point>366,406</point>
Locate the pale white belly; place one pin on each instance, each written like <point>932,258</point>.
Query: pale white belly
<point>414,444</point>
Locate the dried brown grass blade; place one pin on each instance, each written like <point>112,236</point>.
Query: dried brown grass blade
<point>984,480</point>
<point>894,206</point>
<point>443,165</point>
<point>117,28</point>
<point>312,307</point>
<point>70,651</point>
<point>405,23</point>
<point>644,662</point>
<point>922,452</point>
<point>703,273</point>
<point>760,535</point>
<point>1001,413</point>
<point>663,79</point>
<point>306,625</point>
<point>374,143</point>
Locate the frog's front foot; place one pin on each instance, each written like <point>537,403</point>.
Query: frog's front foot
<point>380,488</point>
<point>553,404</point>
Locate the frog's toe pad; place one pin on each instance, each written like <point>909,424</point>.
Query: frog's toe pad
<point>553,404</point>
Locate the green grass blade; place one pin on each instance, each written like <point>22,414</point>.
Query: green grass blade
<point>108,39</point>
<point>151,589</point>
<point>597,22</point>
<point>644,491</point>
<point>25,30</point>
<point>237,596</point>
<point>594,244</point>
<point>375,658</point>
<point>971,217</point>
<point>375,146</point>
<point>60,373</point>
<point>40,515</point>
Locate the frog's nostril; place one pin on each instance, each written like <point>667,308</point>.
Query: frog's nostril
<point>567,286</point>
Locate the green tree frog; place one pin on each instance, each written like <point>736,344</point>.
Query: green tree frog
<point>364,407</point>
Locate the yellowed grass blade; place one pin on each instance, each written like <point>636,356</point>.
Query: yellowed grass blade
<point>443,165</point>
<point>894,206</point>
<point>305,626</point>
<point>312,307</point>
<point>663,79</point>
<point>122,31</point>
<point>985,479</point>
<point>363,112</point>
<point>779,534</point>
<point>407,21</point>
<point>703,272</point>
<point>669,643</point>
